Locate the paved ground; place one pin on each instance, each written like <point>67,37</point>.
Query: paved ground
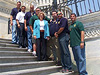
<point>93,56</point>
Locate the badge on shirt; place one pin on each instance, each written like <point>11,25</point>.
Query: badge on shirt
<point>74,25</point>
<point>58,22</point>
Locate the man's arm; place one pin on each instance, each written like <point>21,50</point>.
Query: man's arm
<point>82,39</point>
<point>25,22</point>
<point>17,20</point>
<point>31,23</point>
<point>31,28</point>
<point>60,30</point>
<point>11,20</point>
<point>25,25</point>
<point>18,23</point>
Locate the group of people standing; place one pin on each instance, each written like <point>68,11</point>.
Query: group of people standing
<point>34,29</point>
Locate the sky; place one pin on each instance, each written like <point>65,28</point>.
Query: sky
<point>81,8</point>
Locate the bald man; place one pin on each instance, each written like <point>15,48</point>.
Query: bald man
<point>27,17</point>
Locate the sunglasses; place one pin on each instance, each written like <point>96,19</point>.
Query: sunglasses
<point>59,14</point>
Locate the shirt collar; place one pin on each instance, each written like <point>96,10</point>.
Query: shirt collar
<point>74,23</point>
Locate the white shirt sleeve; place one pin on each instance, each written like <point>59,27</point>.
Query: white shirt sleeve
<point>18,16</point>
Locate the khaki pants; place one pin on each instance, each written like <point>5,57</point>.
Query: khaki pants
<point>53,49</point>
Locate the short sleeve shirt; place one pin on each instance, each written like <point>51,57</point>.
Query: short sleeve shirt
<point>27,17</point>
<point>53,27</point>
<point>20,17</point>
<point>35,17</point>
<point>14,12</point>
<point>75,33</point>
<point>63,22</point>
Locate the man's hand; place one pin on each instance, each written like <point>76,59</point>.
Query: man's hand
<point>81,45</point>
<point>11,22</point>
<point>18,26</point>
<point>55,34</point>
<point>34,37</point>
<point>26,28</point>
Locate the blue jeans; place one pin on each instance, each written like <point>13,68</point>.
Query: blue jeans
<point>65,54</point>
<point>79,56</point>
<point>15,37</point>
<point>29,37</point>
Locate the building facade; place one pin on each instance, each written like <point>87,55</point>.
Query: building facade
<point>47,5</point>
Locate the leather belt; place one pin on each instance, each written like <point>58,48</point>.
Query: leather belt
<point>41,30</point>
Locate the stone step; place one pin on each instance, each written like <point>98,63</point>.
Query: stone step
<point>15,59</point>
<point>5,39</point>
<point>25,65</point>
<point>14,53</point>
<point>8,45</point>
<point>36,71</point>
<point>12,49</point>
<point>59,73</point>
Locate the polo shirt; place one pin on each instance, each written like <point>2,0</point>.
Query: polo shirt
<point>53,27</point>
<point>75,33</point>
<point>27,17</point>
<point>14,12</point>
<point>63,22</point>
<point>35,17</point>
<point>20,17</point>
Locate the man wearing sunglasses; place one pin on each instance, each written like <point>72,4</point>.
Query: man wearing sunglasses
<point>63,39</point>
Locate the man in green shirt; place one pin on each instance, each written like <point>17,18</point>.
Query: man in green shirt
<point>31,24</point>
<point>77,43</point>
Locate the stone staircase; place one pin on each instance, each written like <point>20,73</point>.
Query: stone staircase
<point>15,61</point>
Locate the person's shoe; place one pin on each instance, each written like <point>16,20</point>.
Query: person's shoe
<point>62,70</point>
<point>58,63</point>
<point>66,71</point>
<point>20,46</point>
<point>34,53</point>
<point>29,50</point>
<point>26,47</point>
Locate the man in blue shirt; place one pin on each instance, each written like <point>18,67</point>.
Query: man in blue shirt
<point>15,38</point>
<point>27,17</point>
<point>54,41</point>
<point>63,39</point>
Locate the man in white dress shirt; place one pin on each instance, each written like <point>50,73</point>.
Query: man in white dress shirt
<point>20,23</point>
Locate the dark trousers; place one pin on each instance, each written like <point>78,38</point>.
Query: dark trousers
<point>22,36</point>
<point>41,47</point>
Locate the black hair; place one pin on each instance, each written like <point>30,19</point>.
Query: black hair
<point>19,2</point>
<point>38,8</point>
<point>54,11</point>
<point>73,14</point>
<point>23,6</point>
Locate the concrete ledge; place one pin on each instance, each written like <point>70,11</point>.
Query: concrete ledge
<point>36,71</point>
<point>26,65</point>
<point>16,59</point>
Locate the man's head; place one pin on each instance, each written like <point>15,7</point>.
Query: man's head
<point>73,17</point>
<point>38,10</point>
<point>18,4</point>
<point>60,15</point>
<point>23,8</point>
<point>31,8</point>
<point>54,14</point>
